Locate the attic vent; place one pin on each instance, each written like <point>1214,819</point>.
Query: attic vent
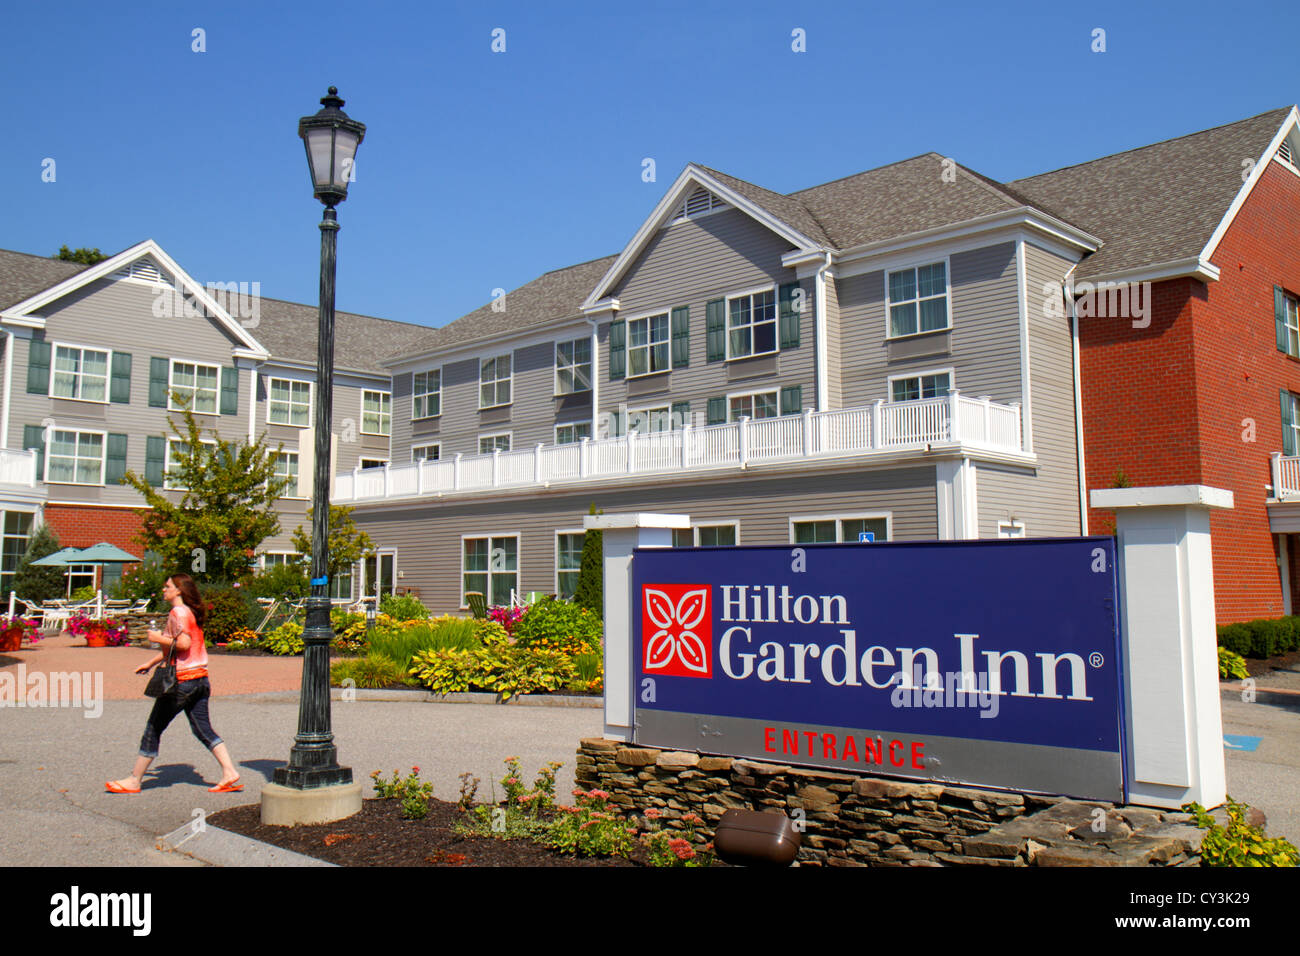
<point>144,270</point>
<point>1284,153</point>
<point>700,202</point>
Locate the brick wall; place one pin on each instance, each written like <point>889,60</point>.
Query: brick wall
<point>79,527</point>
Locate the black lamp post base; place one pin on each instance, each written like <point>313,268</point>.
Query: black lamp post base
<point>308,778</point>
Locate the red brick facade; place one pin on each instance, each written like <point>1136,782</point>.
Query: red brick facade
<point>80,527</point>
<point>1194,398</point>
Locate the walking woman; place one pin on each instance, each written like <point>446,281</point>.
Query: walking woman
<point>184,630</point>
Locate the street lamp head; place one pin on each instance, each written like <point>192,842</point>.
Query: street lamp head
<point>331,138</point>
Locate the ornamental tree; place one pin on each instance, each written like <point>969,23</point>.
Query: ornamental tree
<point>348,544</point>
<point>225,511</point>
<point>34,582</point>
<point>590,592</point>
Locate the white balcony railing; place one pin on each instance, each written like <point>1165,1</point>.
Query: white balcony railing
<point>1286,476</point>
<point>17,467</point>
<point>882,427</point>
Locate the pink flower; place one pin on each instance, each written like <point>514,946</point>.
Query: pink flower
<point>578,792</point>
<point>653,814</point>
<point>598,794</point>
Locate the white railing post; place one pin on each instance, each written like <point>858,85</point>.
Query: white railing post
<point>455,473</point>
<point>31,481</point>
<point>988,418</point>
<point>356,481</point>
<point>807,432</point>
<point>954,411</point>
<point>496,467</point>
<point>584,458</point>
<point>419,476</point>
<point>744,440</point>
<point>387,488</point>
<point>686,445</point>
<point>12,599</point>
<point>629,441</point>
<point>877,424</point>
<point>537,463</point>
<point>1275,463</point>
<point>1020,439</point>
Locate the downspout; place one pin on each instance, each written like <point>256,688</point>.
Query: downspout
<point>1067,288</point>
<point>9,377</point>
<point>252,403</point>
<point>822,370</point>
<point>595,379</point>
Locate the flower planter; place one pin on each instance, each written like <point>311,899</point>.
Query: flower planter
<point>95,636</point>
<point>11,639</point>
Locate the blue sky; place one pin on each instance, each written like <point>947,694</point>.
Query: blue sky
<point>483,170</point>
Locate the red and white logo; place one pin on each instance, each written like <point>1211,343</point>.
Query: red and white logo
<point>676,630</point>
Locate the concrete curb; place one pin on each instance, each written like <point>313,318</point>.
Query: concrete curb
<point>527,700</point>
<point>1277,697</point>
<point>217,847</point>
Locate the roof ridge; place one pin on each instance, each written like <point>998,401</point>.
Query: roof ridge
<point>861,172</point>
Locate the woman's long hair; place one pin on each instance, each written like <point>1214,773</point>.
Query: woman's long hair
<point>190,595</point>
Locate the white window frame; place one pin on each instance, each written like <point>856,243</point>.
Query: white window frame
<point>298,456</point>
<point>775,392</point>
<point>103,461</point>
<point>776,321</point>
<point>290,557</point>
<point>590,365</point>
<point>952,379</point>
<point>575,425</point>
<point>378,555</point>
<point>667,343</point>
<point>496,382</point>
<point>915,267</point>
<point>558,532</point>
<point>171,386</point>
<point>426,395</point>
<point>509,436</point>
<point>839,517</point>
<point>519,564</point>
<point>270,384</point>
<point>434,444</point>
<point>167,460</point>
<point>108,372</point>
<point>384,394</point>
<point>1291,320</point>
<point>645,410</point>
<point>695,532</point>
<point>1011,529</point>
<point>6,577</point>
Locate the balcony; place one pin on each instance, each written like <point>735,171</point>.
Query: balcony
<point>936,424</point>
<point>1286,477</point>
<point>17,468</point>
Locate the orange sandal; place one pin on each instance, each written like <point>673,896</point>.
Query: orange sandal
<point>113,786</point>
<point>232,787</point>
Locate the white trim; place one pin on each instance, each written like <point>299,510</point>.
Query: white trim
<point>508,434</point>
<point>171,385</point>
<point>519,564</point>
<point>253,380</point>
<point>734,525</point>
<point>426,372</point>
<point>1193,267</point>
<point>558,532</point>
<point>108,372</point>
<point>916,267</point>
<point>821,323</point>
<point>378,555</point>
<point>1022,320</point>
<point>775,392</point>
<point>311,397</point>
<point>103,461</point>
<point>1277,158</point>
<point>573,424</point>
<point>297,455</point>
<point>430,444</point>
<point>10,343</point>
<point>18,312</point>
<point>949,371</point>
<point>627,343</point>
<point>382,462</point>
<point>1078,405</point>
<point>374,391</point>
<point>496,382</point>
<point>677,192</point>
<point>1212,246</point>
<point>1284,567</point>
<point>167,459</point>
<point>776,321</point>
<point>839,516</point>
<point>629,411</point>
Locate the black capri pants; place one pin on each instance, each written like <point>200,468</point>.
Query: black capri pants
<point>191,697</point>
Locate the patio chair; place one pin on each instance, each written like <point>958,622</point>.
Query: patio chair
<point>477,604</point>
<point>32,610</point>
<point>139,607</point>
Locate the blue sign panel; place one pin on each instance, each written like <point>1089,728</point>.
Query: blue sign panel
<point>993,663</point>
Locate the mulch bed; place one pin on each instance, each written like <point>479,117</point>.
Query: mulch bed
<point>378,836</point>
<point>1283,662</point>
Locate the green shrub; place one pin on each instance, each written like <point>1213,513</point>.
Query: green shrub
<point>35,582</point>
<point>490,633</point>
<point>402,645</point>
<point>373,670</point>
<point>278,581</point>
<point>592,828</point>
<point>590,591</point>
<point>503,670</point>
<point>414,793</point>
<point>405,607</point>
<point>559,624</point>
<point>1260,638</point>
<point>228,612</point>
<point>1234,638</point>
<point>446,671</point>
<point>84,593</point>
<point>1231,665</point>
<point>1239,843</point>
<point>460,633</point>
<point>285,639</point>
<point>349,630</point>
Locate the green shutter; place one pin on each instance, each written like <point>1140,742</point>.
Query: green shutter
<point>792,400</point>
<point>120,389</point>
<point>159,375</point>
<point>38,365</point>
<point>1279,318</point>
<point>681,414</point>
<point>34,438</point>
<point>229,391</point>
<point>1288,432</point>
<point>115,463</point>
<point>155,459</point>
<point>789,317</point>
<point>717,411</point>
<point>681,336</point>
<point>617,350</point>
<point>715,325</point>
<point>618,423</point>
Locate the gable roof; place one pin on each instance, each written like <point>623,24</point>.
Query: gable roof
<point>1158,203</point>
<point>23,275</point>
<point>289,330</point>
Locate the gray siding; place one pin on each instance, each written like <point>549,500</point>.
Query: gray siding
<point>983,348</point>
<point>1047,503</point>
<point>834,347</point>
<point>428,537</point>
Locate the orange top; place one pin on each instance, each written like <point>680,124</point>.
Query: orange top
<point>191,664</point>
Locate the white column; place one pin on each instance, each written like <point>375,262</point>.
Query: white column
<point>954,413</point>
<point>807,432</point>
<point>686,446</point>
<point>620,533</point>
<point>1171,664</point>
<point>744,440</point>
<point>878,424</point>
<point>1275,464</point>
<point>584,453</point>
<point>455,473</point>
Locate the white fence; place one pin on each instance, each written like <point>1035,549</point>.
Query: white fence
<point>18,467</point>
<point>884,426</point>
<point>1286,476</point>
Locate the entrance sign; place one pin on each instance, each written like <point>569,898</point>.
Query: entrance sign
<point>994,664</point>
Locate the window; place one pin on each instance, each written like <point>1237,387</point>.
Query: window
<point>832,529</point>
<point>1291,320</point>
<point>425,452</point>
<point>17,529</point>
<point>273,559</point>
<point>707,536</point>
<point>918,299</point>
<point>575,432</point>
<point>494,382</point>
<point>646,420</point>
<point>913,387</point>
<point>286,466</point>
<point>175,449</point>
<point>1290,425</point>
<point>373,462</point>
<point>647,345</point>
<point>751,324</point>
<point>290,402</point>
<point>378,575</point>
<point>568,562</point>
<point>79,373</point>
<point>81,575</point>
<point>572,366</point>
<point>197,384</point>
<point>426,392</point>
<point>757,405</point>
<point>487,444</point>
<point>491,567</point>
<point>376,413</point>
<point>75,458</point>
<point>1011,529</point>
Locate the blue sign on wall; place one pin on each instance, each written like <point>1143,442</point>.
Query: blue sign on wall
<point>993,663</point>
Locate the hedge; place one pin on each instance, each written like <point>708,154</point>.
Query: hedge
<point>1263,637</point>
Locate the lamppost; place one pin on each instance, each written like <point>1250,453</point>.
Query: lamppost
<point>312,787</point>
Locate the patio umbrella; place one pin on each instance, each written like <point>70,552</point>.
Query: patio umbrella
<point>103,553</point>
<point>62,559</point>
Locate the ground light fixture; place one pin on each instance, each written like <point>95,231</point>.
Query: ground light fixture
<point>312,787</point>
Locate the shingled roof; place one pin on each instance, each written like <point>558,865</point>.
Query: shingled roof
<point>288,330</point>
<point>23,275</point>
<point>1157,203</point>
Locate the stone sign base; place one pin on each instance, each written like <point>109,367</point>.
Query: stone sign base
<point>852,820</point>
